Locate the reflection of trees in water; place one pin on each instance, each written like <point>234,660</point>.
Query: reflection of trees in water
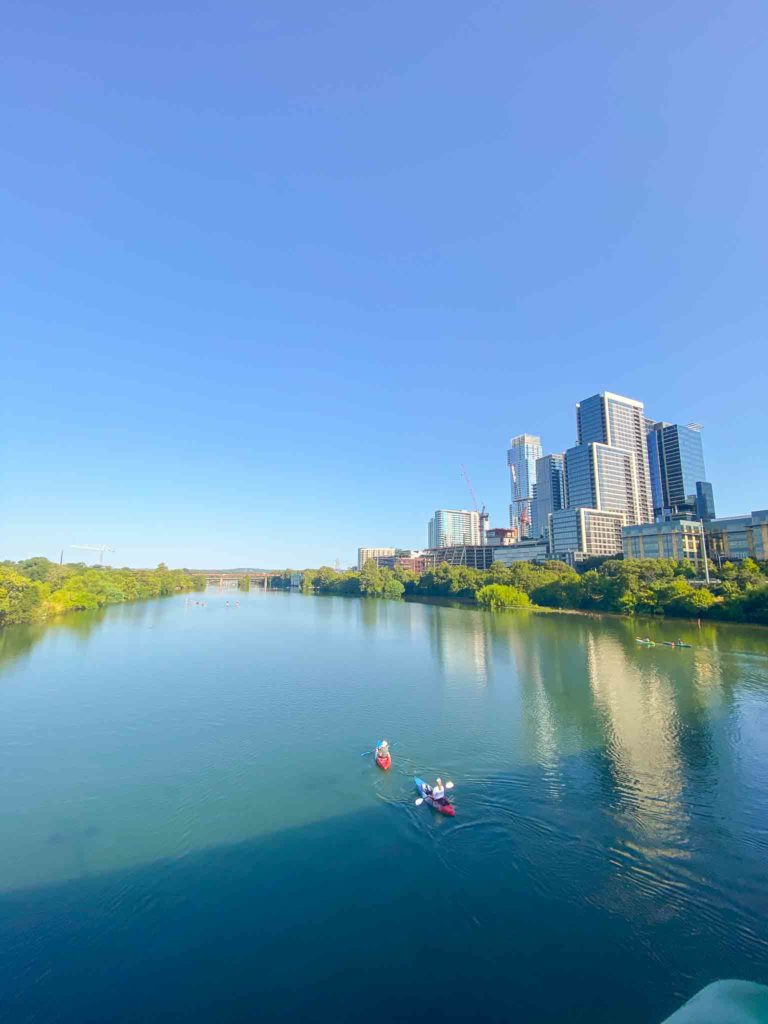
<point>18,641</point>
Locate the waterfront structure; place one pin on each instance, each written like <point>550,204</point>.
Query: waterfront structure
<point>579,533</point>
<point>522,454</point>
<point>363,554</point>
<point>619,423</point>
<point>533,550</point>
<point>733,538</point>
<point>681,539</point>
<point>474,556</point>
<point>549,492</point>
<point>450,527</point>
<point>500,536</point>
<point>676,464</point>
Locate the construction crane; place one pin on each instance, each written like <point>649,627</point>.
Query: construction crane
<point>101,548</point>
<point>484,516</point>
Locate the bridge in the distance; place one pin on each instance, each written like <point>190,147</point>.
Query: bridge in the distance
<point>230,578</point>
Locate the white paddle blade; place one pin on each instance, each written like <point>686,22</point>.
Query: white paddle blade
<point>419,802</point>
<point>449,785</point>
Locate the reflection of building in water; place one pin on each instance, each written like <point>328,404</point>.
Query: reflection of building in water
<point>642,729</point>
<point>557,709</point>
<point>461,644</point>
<point>580,690</point>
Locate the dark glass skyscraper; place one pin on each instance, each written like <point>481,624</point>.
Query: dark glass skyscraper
<point>676,463</point>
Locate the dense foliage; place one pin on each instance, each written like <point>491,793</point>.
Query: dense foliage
<point>635,586</point>
<point>36,588</point>
<point>496,596</point>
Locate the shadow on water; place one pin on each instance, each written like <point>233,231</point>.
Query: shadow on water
<point>325,921</point>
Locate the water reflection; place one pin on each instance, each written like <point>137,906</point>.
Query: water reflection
<point>461,643</point>
<point>16,642</point>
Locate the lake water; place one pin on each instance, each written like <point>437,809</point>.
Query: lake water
<point>188,830</point>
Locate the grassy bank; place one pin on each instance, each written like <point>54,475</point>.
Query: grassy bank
<point>36,589</point>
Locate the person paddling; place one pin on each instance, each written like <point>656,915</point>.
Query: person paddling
<point>437,792</point>
<point>382,750</point>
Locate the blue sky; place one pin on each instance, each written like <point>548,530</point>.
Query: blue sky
<point>273,271</point>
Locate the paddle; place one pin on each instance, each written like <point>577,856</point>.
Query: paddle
<point>420,800</point>
<point>367,753</point>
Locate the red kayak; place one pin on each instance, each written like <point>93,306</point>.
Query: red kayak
<point>441,806</point>
<point>385,763</point>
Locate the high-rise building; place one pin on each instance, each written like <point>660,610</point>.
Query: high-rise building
<point>548,492</point>
<point>676,462</point>
<point>363,554</point>
<point>451,527</point>
<point>522,454</point>
<point>619,422</point>
<point>599,476</point>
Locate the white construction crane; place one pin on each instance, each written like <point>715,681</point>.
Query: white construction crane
<point>482,513</point>
<point>101,548</point>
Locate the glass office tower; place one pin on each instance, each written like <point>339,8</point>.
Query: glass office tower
<point>676,463</point>
<point>522,454</point>
<point>548,491</point>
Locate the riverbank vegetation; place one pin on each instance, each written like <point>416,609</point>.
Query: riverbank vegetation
<point>631,587</point>
<point>36,588</point>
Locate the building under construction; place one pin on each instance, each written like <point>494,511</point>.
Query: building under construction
<point>473,556</point>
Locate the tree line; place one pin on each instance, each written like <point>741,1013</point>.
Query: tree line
<point>36,588</point>
<point>655,586</point>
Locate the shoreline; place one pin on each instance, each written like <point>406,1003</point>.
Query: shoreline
<point>544,610</point>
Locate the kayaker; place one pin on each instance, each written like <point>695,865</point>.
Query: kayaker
<point>383,750</point>
<point>438,791</point>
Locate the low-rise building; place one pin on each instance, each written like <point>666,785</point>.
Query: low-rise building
<point>579,533</point>
<point>680,539</point>
<point>733,538</point>
<point>363,554</point>
<point>501,536</point>
<point>533,550</point>
<point>416,563</point>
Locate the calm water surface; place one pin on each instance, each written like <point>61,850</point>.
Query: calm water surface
<point>188,830</point>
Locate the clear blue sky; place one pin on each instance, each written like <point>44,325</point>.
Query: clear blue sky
<point>273,271</point>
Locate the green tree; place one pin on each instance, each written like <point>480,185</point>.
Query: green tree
<point>36,569</point>
<point>393,588</point>
<point>371,579</point>
<point>497,597</point>
<point>20,598</point>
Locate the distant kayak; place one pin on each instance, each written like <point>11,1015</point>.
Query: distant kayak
<point>647,642</point>
<point>678,643</point>
<point>441,806</point>
<point>385,763</point>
